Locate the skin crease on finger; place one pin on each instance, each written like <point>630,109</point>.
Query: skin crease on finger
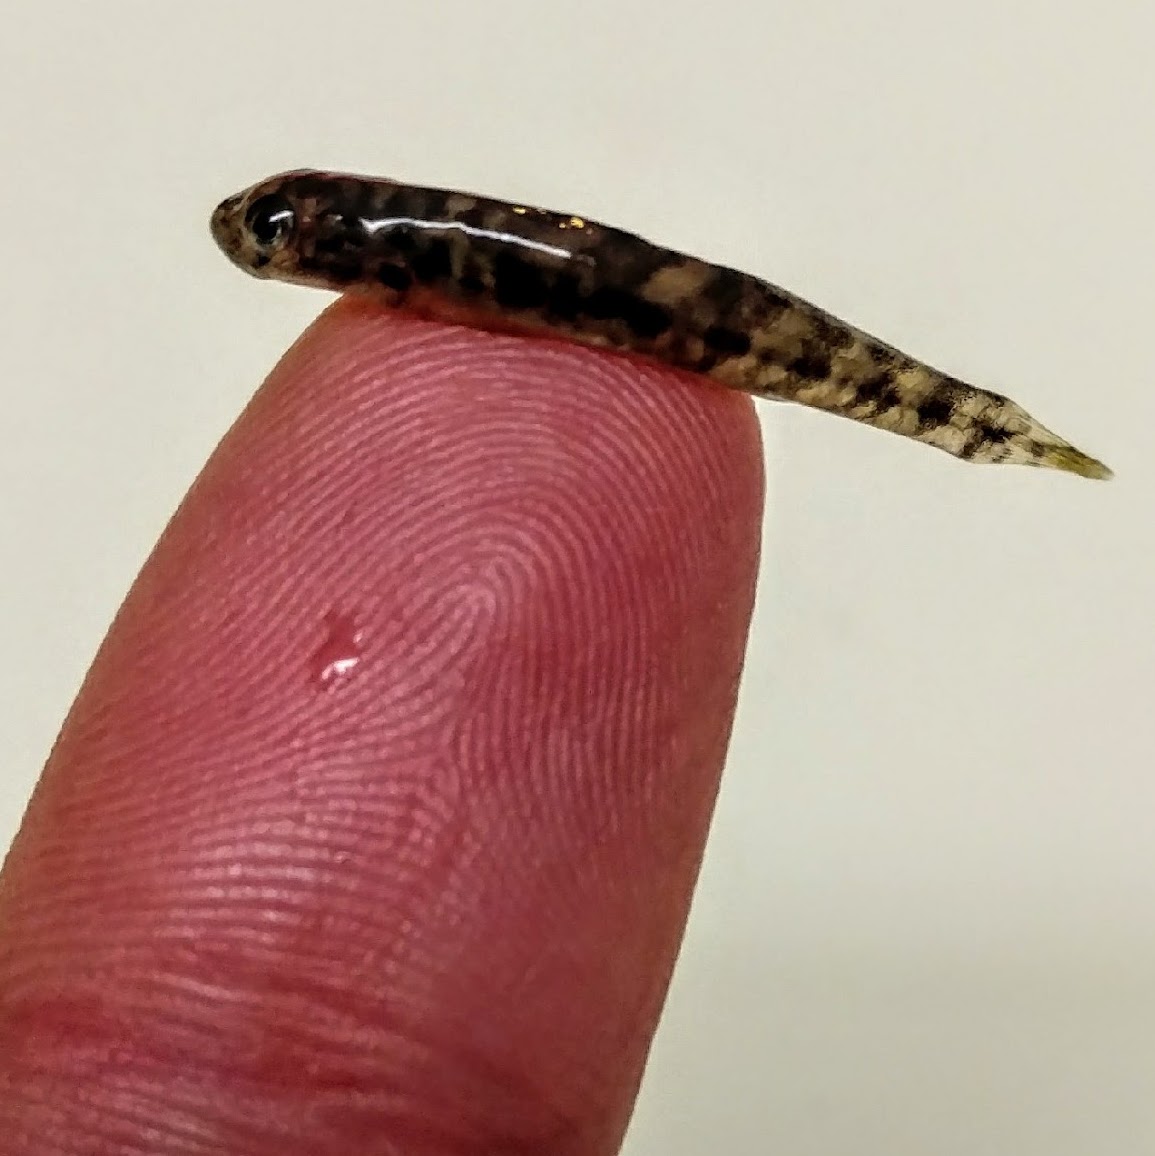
<point>375,824</point>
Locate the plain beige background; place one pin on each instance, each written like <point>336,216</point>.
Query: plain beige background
<point>927,918</point>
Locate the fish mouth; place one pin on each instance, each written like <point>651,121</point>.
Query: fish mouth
<point>225,225</point>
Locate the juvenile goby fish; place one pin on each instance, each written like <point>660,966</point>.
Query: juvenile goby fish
<point>499,266</point>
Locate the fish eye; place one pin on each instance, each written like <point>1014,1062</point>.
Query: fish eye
<point>270,219</point>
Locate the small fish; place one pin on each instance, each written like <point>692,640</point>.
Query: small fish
<point>498,266</point>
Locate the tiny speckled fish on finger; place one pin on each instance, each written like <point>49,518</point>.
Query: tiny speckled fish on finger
<point>499,266</point>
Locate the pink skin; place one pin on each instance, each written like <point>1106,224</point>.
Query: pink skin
<point>374,827</point>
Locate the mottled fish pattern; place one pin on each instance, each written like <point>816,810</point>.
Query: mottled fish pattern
<point>500,266</point>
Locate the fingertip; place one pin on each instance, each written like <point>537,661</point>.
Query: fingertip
<point>393,776</point>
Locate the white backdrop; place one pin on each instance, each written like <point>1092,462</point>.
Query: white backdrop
<point>926,921</point>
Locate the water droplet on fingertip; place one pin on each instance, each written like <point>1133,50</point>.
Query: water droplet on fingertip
<point>340,652</point>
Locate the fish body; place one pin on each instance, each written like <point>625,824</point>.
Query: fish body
<point>474,260</point>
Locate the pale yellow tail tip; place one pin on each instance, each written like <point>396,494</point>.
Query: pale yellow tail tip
<point>1075,462</point>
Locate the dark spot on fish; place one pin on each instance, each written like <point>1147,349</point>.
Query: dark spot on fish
<point>876,388</point>
<point>606,302</point>
<point>517,284</point>
<point>648,320</point>
<point>564,300</point>
<point>433,262</point>
<point>935,411</point>
<point>729,341</point>
<point>644,318</point>
<point>811,366</point>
